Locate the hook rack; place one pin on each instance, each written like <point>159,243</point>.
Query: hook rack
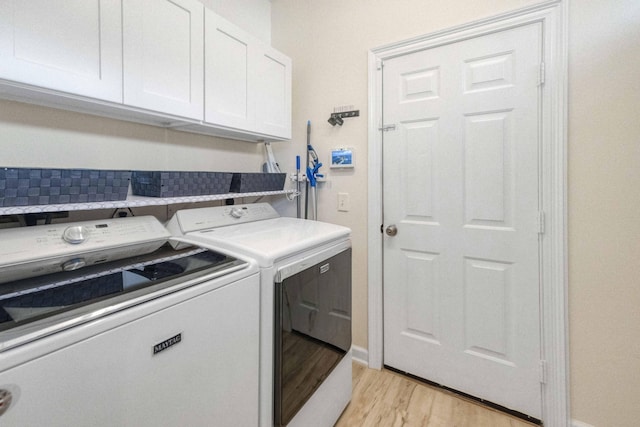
<point>336,118</point>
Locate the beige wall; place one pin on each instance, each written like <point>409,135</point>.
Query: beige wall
<point>32,136</point>
<point>253,16</point>
<point>328,42</point>
<point>604,207</point>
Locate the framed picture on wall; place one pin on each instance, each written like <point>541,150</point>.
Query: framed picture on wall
<point>342,158</point>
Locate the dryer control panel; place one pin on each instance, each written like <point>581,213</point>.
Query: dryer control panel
<point>189,220</point>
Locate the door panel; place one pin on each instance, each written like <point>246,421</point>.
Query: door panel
<point>487,288</point>
<point>461,279</point>
<point>422,321</point>
<point>421,137</point>
<point>488,173</point>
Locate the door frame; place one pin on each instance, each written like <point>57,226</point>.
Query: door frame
<point>553,15</point>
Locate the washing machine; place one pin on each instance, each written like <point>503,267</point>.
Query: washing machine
<point>103,323</point>
<point>305,305</point>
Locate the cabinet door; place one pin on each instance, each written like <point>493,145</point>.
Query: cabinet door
<point>273,93</point>
<point>163,56</point>
<point>72,46</point>
<point>229,96</point>
<point>248,83</point>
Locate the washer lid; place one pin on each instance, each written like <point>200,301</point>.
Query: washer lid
<point>39,306</point>
<point>273,239</point>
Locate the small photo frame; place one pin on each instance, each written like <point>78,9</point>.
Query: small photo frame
<point>342,158</point>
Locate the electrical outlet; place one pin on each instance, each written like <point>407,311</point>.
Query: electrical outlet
<point>344,204</point>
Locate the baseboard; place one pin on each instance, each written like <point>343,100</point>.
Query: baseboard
<point>576,423</point>
<point>361,355</point>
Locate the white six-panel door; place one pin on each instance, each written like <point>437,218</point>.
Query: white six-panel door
<point>461,184</point>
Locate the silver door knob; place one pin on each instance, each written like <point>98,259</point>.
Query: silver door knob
<point>391,230</point>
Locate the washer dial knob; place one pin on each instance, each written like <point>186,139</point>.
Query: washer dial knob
<point>75,235</point>
<point>74,264</point>
<point>6,397</point>
<point>237,212</point>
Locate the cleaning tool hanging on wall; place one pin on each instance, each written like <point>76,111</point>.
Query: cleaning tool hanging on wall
<point>306,191</point>
<point>312,177</point>
<point>271,164</point>
<point>298,201</point>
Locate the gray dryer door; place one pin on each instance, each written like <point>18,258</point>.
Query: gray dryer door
<point>312,331</point>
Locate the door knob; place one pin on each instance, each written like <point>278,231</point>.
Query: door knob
<point>391,230</point>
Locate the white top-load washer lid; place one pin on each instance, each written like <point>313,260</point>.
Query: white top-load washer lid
<point>255,230</point>
<point>58,276</point>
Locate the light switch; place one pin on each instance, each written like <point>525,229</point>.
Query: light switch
<point>344,204</point>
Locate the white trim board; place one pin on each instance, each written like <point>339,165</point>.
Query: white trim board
<point>553,17</point>
<point>359,355</point>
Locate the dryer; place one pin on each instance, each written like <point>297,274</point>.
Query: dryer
<point>305,303</point>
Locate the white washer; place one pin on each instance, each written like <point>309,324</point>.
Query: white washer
<point>305,297</point>
<point>103,324</point>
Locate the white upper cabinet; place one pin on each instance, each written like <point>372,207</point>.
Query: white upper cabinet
<point>72,46</point>
<point>273,93</point>
<point>164,56</point>
<point>160,62</point>
<point>228,96</point>
<point>247,83</point>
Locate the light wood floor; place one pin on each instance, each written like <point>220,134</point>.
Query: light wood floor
<point>387,399</point>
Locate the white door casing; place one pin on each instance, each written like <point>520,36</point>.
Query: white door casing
<point>552,17</point>
<point>460,178</point>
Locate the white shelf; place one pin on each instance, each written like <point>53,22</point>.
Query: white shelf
<point>132,202</point>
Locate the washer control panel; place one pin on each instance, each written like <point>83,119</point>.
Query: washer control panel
<point>49,248</point>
